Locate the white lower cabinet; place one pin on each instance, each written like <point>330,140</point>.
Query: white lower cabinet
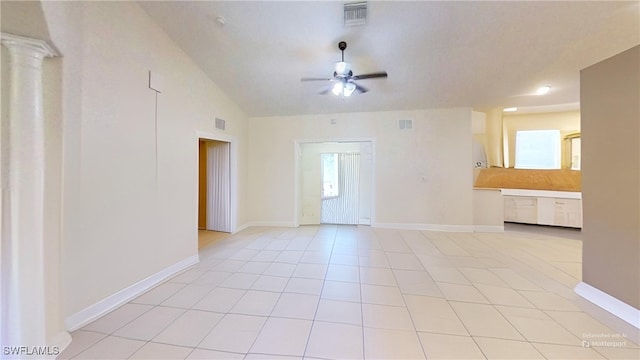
<point>543,210</point>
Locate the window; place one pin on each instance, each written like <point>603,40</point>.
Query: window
<point>538,149</point>
<point>329,175</point>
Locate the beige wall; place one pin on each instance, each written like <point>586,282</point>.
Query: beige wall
<point>610,105</point>
<point>121,222</point>
<point>421,176</point>
<point>567,122</point>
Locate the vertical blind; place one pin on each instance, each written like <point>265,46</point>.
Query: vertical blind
<point>218,186</point>
<point>343,209</point>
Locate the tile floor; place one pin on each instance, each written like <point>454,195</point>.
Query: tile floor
<point>346,292</point>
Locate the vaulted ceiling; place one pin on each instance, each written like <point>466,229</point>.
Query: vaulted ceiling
<point>437,54</point>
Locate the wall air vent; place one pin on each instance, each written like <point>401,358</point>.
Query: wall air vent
<point>355,13</point>
<point>405,124</point>
<point>220,124</point>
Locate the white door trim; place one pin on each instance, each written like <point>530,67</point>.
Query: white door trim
<point>233,188</point>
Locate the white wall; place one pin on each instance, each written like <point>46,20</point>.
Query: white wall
<point>423,176</point>
<point>122,222</point>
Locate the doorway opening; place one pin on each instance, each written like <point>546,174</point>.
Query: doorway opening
<point>214,191</point>
<point>335,183</point>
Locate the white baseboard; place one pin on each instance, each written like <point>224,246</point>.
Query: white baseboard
<point>618,308</point>
<point>241,227</point>
<point>488,228</point>
<point>425,227</point>
<point>270,224</point>
<point>108,304</point>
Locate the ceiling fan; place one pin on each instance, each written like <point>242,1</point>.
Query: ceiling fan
<point>343,78</point>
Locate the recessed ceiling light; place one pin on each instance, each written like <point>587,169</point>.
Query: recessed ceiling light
<point>543,90</point>
<point>510,109</point>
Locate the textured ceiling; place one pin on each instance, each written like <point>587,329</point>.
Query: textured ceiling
<point>437,54</point>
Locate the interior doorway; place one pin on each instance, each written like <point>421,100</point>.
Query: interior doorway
<point>335,183</point>
<point>214,190</point>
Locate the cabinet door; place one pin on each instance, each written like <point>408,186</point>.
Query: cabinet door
<point>568,212</point>
<point>520,209</point>
<point>546,211</point>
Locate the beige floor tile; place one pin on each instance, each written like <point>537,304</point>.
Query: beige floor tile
<point>391,344</point>
<point>618,353</point>
<point>342,291</point>
<point>188,296</point>
<point>202,354</point>
<point>386,317</point>
<point>585,327</point>
<point>254,267</point>
<point>230,265</point>
<point>111,347</point>
<point>155,351</point>
<point>335,341</point>
<point>234,333</point>
<point>289,257</point>
<point>381,295</point>
<point>351,250</point>
<point>188,276</point>
<point>150,324</point>
<point>256,302</point>
<point>549,301</point>
<point>404,261</point>
<point>158,294</point>
<point>296,306</point>
<point>117,318</point>
<point>374,258</point>
<point>310,271</point>
<point>339,311</point>
<point>344,259</point>
<point>266,256</point>
<point>212,278</point>
<point>304,286</point>
<point>507,349</point>
<point>82,340</point>
<point>515,280</point>
<point>482,276</point>
<point>440,346</point>
<point>220,300</point>
<point>463,293</point>
<point>315,257</point>
<point>189,329</point>
<point>498,295</point>
<point>280,269</point>
<point>446,274</point>
<point>270,283</point>
<point>564,352</point>
<point>271,357</point>
<point>283,337</point>
<point>434,315</point>
<point>241,280</point>
<point>416,283</point>
<point>377,276</point>
<point>348,273</point>
<point>484,320</point>
<point>536,326</point>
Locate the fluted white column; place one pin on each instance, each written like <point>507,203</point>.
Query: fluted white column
<point>23,307</point>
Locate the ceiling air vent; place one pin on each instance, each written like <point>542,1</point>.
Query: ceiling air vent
<point>355,13</point>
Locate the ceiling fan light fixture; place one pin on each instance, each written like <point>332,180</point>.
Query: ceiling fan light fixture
<point>349,88</point>
<point>337,89</point>
<point>342,68</point>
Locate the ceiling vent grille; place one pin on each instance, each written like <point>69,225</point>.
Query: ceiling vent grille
<point>355,14</point>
